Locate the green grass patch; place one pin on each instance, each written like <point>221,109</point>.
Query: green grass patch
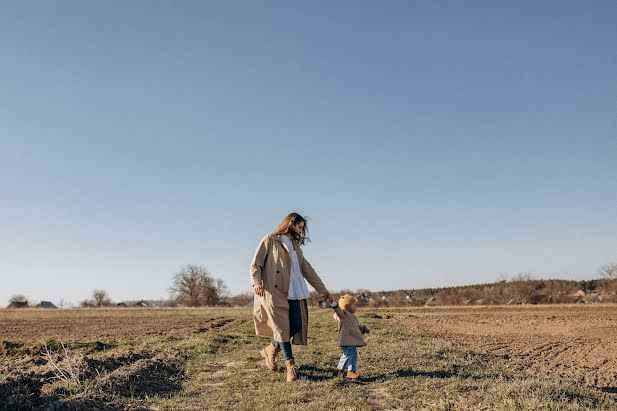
<point>51,343</point>
<point>96,346</point>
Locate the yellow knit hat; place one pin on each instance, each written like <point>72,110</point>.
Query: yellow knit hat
<point>346,301</point>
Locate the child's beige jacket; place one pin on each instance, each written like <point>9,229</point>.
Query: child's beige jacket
<point>349,330</point>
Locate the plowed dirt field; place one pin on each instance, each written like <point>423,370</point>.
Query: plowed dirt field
<point>576,343</point>
<point>79,325</point>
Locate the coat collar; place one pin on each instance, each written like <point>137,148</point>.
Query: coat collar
<point>279,238</point>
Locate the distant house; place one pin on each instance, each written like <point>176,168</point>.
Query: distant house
<point>46,304</point>
<point>362,299</point>
<point>18,304</point>
<point>145,303</point>
<point>141,303</point>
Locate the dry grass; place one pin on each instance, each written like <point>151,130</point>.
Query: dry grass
<point>221,369</point>
<point>68,370</point>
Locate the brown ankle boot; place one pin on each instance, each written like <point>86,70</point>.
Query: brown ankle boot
<point>352,374</point>
<point>269,354</point>
<point>292,370</point>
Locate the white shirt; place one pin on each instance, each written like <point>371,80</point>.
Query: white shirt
<point>297,283</point>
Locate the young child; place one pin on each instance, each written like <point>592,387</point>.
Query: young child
<point>349,333</point>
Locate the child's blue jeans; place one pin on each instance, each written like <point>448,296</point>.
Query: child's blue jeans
<point>349,357</point>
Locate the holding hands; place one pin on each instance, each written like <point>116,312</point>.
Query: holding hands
<point>259,290</point>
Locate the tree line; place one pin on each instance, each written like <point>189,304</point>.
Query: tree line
<point>195,286</point>
<point>191,286</point>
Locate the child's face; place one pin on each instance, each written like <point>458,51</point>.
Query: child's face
<point>352,308</point>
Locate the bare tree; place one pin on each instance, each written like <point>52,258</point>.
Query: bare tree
<point>194,286</point>
<point>221,288</point>
<point>609,271</point>
<point>522,288</point>
<point>100,298</point>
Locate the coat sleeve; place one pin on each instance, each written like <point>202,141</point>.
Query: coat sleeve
<point>339,312</point>
<point>258,262</point>
<point>312,277</point>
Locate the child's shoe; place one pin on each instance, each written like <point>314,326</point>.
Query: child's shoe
<point>352,374</point>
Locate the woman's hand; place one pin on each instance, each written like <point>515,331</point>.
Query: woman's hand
<point>326,296</point>
<point>259,289</point>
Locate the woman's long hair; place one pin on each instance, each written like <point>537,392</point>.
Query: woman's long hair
<point>291,220</point>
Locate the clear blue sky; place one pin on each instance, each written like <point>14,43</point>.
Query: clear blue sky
<point>432,143</point>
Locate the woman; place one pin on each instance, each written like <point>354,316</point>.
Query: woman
<point>278,273</point>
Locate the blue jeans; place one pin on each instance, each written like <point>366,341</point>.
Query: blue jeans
<point>349,357</point>
<point>295,325</point>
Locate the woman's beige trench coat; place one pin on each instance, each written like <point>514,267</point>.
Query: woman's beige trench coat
<point>271,266</point>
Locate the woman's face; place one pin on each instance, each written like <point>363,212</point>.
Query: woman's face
<point>298,228</point>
